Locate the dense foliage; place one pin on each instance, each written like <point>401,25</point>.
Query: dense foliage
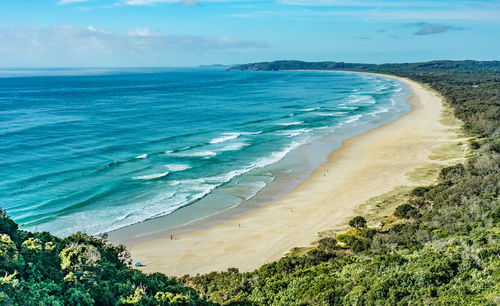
<point>40,269</point>
<point>444,247</point>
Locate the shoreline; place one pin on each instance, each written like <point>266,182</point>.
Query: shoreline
<point>365,166</point>
<point>304,160</point>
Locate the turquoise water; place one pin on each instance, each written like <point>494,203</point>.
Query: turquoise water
<point>97,150</point>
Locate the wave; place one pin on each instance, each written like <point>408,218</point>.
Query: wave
<point>178,167</point>
<point>361,99</point>
<point>148,209</point>
<point>380,111</point>
<point>293,133</point>
<point>251,133</point>
<point>353,118</point>
<point>276,156</point>
<point>310,109</point>
<point>208,184</point>
<point>257,186</point>
<point>334,114</point>
<point>290,123</point>
<point>226,137</point>
<point>205,153</point>
<point>181,199</point>
<point>178,150</point>
<point>342,106</point>
<point>151,176</point>
<point>188,181</point>
<point>234,146</point>
<point>142,156</point>
<point>226,178</point>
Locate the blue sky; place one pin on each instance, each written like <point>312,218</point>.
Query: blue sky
<point>82,33</point>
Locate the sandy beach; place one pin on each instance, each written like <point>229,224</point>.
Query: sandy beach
<point>365,166</point>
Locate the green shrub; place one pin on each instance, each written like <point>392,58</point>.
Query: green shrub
<point>357,222</point>
<point>406,211</point>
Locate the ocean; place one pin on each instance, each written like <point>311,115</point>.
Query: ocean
<point>96,150</point>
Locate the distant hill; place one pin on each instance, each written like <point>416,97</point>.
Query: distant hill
<point>214,66</point>
<point>425,67</point>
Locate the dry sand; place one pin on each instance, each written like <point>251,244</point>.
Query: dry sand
<point>365,166</point>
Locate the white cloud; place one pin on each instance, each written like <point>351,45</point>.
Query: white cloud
<point>94,46</point>
<point>92,29</point>
<point>64,2</point>
<point>140,32</point>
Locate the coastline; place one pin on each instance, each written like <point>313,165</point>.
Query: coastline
<point>365,166</point>
<point>287,173</point>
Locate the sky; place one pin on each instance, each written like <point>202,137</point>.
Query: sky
<point>173,33</point>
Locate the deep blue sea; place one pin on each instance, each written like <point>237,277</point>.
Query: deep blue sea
<point>97,150</point>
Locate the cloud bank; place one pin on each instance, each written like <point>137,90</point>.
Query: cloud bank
<point>97,46</point>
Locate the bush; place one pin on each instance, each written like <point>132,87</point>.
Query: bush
<point>406,211</point>
<point>419,191</point>
<point>357,222</point>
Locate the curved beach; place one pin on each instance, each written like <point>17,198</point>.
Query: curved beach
<point>365,166</point>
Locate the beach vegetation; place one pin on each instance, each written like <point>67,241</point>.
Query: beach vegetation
<point>357,222</point>
<point>406,211</point>
<point>41,269</point>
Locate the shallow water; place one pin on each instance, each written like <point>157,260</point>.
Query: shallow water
<point>95,151</point>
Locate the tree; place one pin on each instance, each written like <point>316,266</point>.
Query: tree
<point>407,211</point>
<point>358,222</point>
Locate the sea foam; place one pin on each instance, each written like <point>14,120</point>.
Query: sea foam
<point>353,118</point>
<point>204,153</point>
<point>310,109</point>
<point>290,123</point>
<point>332,114</point>
<point>234,146</point>
<point>151,176</point>
<point>178,167</point>
<point>225,137</point>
